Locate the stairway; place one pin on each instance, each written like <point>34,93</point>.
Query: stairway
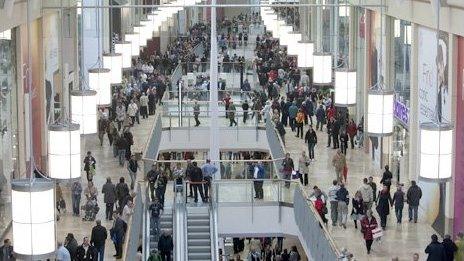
<point>198,233</point>
<point>165,224</point>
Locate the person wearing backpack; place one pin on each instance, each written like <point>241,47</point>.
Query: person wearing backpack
<point>300,116</point>
<point>258,175</point>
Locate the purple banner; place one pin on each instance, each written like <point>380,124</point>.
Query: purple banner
<point>401,112</point>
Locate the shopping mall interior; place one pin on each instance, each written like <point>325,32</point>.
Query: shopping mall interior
<point>231,130</point>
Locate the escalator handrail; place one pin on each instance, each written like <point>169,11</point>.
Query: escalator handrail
<point>213,225</point>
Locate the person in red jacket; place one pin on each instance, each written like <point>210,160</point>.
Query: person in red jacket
<point>331,112</point>
<point>352,130</point>
<point>368,223</point>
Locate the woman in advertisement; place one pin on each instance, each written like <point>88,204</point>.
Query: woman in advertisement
<point>442,73</point>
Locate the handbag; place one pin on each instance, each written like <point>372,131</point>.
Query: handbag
<point>377,233</point>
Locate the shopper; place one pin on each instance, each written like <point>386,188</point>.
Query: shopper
<point>413,197</point>
<point>76,192</point>
<point>122,191</point>
<point>117,233</point>
<point>86,252</point>
<point>352,130</point>
<point>460,244</point>
<point>152,177</point>
<point>450,248</point>
<point>109,192</point>
<point>287,168</point>
<point>197,180</point>
<point>343,200</point>
<point>387,177</point>
<point>384,201</point>
<point>71,245</point>
<point>332,195</point>
<point>299,123</point>
<point>133,167</point>
<point>258,175</point>
<point>303,168</point>
<point>311,139</point>
<point>357,213</point>
<point>165,246</point>
<point>196,113</point>
<point>398,202</point>
<point>98,238</point>
<point>339,163</point>
<point>89,165</point>
<point>367,195</point>
<point>62,254</point>
<point>435,250</point>
<point>368,223</point>
<point>6,251</point>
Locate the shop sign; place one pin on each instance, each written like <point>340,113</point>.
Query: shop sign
<point>401,112</point>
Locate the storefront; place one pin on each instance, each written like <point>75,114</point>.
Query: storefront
<point>400,142</point>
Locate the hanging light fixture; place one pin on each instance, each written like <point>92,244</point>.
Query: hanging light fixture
<point>124,48</point>
<point>345,87</point>
<point>64,151</point>
<point>133,38</point>
<point>99,80</point>
<point>322,73</point>
<point>305,54</point>
<point>293,45</point>
<point>33,218</point>
<point>380,112</point>
<point>436,151</point>
<point>407,34</point>
<point>284,37</point>
<point>397,28</point>
<point>84,110</point>
<point>140,30</point>
<point>113,61</point>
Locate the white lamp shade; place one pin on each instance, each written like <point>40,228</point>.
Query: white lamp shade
<point>64,151</point>
<point>397,28</point>
<point>113,61</point>
<point>140,30</point>
<point>33,218</point>
<point>84,110</point>
<point>344,11</point>
<point>322,72</point>
<point>407,35</point>
<point>284,31</point>
<point>436,151</point>
<point>292,47</point>
<point>99,80</point>
<point>124,48</point>
<point>380,113</point>
<point>305,54</point>
<point>345,87</point>
<point>133,38</point>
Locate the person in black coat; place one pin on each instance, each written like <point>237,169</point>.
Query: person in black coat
<point>117,233</point>
<point>449,247</point>
<point>71,245</point>
<point>384,201</point>
<point>86,252</point>
<point>89,162</point>
<point>387,177</point>
<point>98,238</point>
<point>165,246</point>
<point>122,191</point>
<point>196,176</point>
<point>109,190</point>
<point>311,139</point>
<point>435,250</point>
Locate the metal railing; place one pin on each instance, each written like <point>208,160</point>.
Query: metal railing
<point>179,227</point>
<point>276,145</point>
<point>153,142</point>
<point>214,227</point>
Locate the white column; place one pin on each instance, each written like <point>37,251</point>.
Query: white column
<point>213,94</point>
<point>413,109</point>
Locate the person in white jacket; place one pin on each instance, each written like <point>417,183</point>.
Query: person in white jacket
<point>120,114</point>
<point>144,105</point>
<point>367,195</point>
<point>132,111</point>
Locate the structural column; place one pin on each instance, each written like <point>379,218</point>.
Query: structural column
<point>213,94</point>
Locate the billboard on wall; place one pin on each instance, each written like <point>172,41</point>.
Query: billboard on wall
<point>434,101</point>
<point>458,222</point>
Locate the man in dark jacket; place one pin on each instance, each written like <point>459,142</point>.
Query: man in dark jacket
<point>387,177</point>
<point>449,247</point>
<point>122,191</point>
<point>152,176</point>
<point>245,108</point>
<point>165,246</point>
<point>311,139</point>
<point>6,251</point>
<point>413,197</point>
<point>109,190</point>
<point>86,252</point>
<point>98,238</point>
<point>320,117</point>
<point>196,177</point>
<point>117,233</point>
<point>435,250</point>
<point>71,245</point>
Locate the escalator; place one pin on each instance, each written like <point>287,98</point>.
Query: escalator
<point>198,233</point>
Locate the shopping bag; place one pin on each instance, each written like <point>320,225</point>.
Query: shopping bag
<point>377,233</point>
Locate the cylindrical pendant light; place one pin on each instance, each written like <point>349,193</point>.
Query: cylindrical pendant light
<point>345,87</point>
<point>292,47</point>
<point>436,151</point>
<point>380,113</point>
<point>84,110</point>
<point>99,80</point>
<point>64,151</point>
<point>113,61</point>
<point>124,48</point>
<point>284,31</point>
<point>322,73</point>
<point>305,54</point>
<point>140,30</point>
<point>33,219</point>
<point>133,38</point>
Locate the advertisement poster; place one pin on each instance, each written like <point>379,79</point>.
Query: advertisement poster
<point>458,224</point>
<point>51,57</point>
<point>434,101</point>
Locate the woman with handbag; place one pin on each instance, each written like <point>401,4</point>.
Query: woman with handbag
<point>368,224</point>
<point>357,213</point>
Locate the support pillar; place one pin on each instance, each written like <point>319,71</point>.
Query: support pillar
<point>213,94</point>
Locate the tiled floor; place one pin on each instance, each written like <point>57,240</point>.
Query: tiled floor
<point>399,240</point>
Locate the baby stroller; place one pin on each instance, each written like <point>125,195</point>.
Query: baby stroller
<point>91,209</point>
